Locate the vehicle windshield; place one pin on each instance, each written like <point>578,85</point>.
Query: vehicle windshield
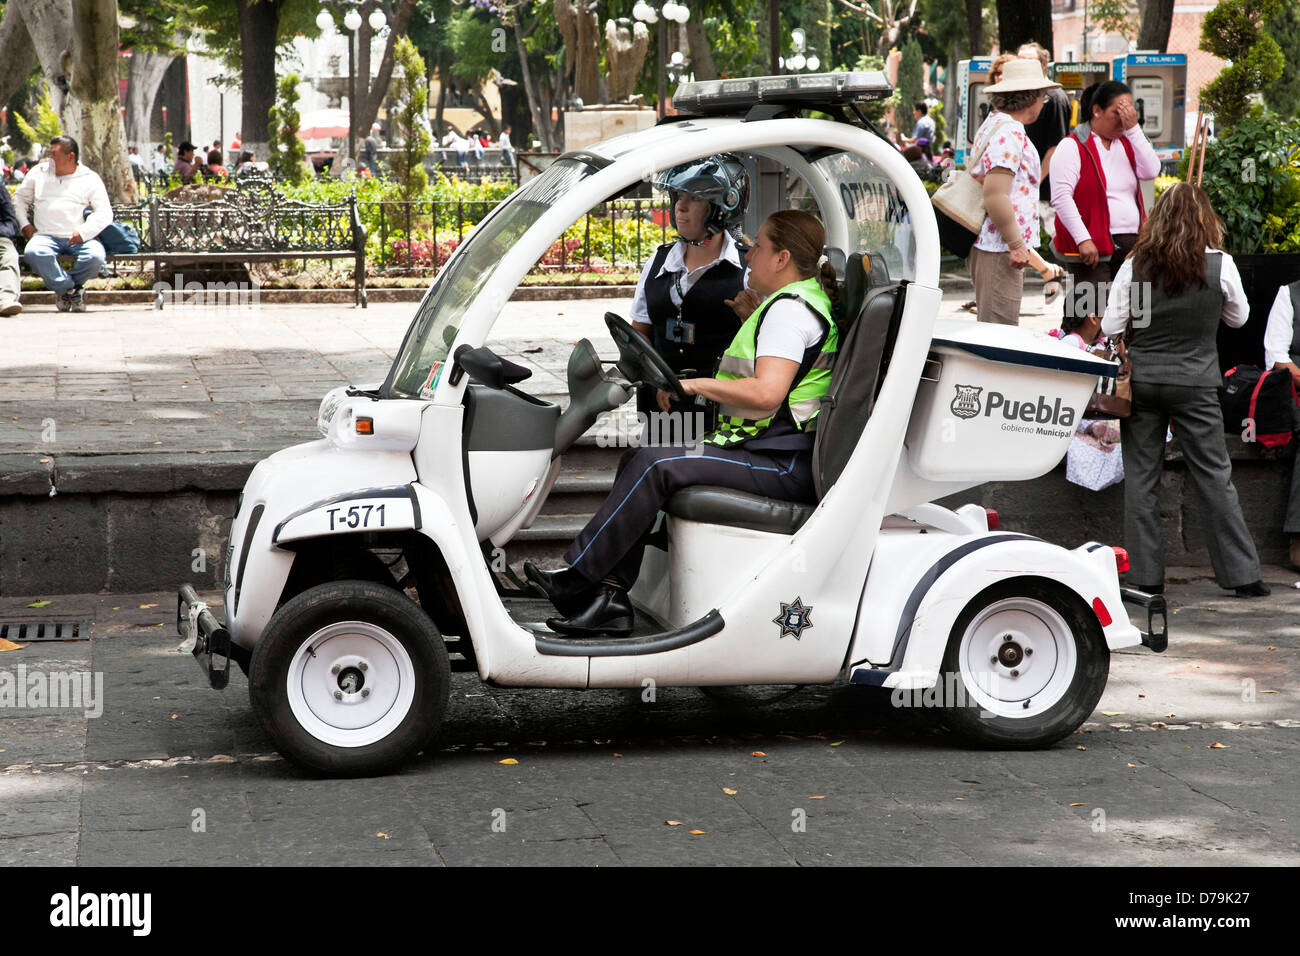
<point>470,270</point>
<point>878,219</point>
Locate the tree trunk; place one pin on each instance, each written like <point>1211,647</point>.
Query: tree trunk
<point>144,78</point>
<point>20,54</point>
<point>1157,21</point>
<point>530,89</point>
<point>702,64</point>
<point>368,107</point>
<point>259,26</point>
<point>49,24</point>
<point>93,106</point>
<point>898,17</point>
<point>1023,21</point>
<point>975,27</point>
<point>444,77</point>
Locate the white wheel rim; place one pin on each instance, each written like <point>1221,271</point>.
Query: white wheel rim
<point>351,684</point>
<point>1017,658</point>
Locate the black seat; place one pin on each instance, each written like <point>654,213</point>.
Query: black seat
<point>738,509</point>
<point>864,350</point>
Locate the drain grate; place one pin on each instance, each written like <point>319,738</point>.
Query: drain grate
<point>30,632</point>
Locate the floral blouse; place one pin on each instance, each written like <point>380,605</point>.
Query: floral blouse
<point>1010,149</point>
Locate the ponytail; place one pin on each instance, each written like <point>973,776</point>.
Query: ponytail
<point>829,281</point>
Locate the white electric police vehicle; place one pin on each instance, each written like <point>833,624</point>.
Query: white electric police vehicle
<point>416,480</point>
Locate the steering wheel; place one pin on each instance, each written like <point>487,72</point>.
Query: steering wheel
<point>638,360</point>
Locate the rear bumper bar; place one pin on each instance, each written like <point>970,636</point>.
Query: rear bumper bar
<point>1156,635</point>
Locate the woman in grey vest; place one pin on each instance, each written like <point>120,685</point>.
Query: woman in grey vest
<point>1282,350</point>
<point>1176,288</point>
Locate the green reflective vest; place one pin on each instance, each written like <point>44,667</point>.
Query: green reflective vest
<point>811,381</point>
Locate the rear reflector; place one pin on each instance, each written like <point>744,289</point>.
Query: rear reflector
<point>1099,609</point>
<point>1121,559</point>
<point>992,517</point>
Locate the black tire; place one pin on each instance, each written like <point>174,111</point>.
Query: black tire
<point>370,633</point>
<point>983,699</point>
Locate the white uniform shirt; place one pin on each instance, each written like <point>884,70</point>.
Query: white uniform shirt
<point>1279,331</point>
<point>1235,307</point>
<point>789,328</point>
<point>675,263</point>
<point>60,202</point>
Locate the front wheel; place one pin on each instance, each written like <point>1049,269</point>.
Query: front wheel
<point>1025,665</point>
<point>350,678</point>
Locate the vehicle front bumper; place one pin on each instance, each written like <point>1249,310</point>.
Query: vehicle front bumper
<point>205,638</point>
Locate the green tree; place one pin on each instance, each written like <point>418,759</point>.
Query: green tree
<point>1234,31</point>
<point>1283,94</point>
<point>1114,16</point>
<point>410,100</point>
<point>46,126</point>
<point>911,70</point>
<point>288,154</point>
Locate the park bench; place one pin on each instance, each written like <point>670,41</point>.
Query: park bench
<point>251,223</point>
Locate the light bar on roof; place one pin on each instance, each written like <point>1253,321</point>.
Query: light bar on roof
<point>809,90</point>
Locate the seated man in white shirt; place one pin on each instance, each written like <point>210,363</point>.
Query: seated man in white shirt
<point>60,190</point>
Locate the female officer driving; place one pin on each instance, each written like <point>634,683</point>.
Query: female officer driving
<point>681,300</point>
<point>768,388</point>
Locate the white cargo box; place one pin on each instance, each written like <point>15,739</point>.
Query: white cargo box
<point>997,402</point>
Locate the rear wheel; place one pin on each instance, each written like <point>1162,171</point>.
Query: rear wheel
<point>349,678</point>
<point>1025,665</point>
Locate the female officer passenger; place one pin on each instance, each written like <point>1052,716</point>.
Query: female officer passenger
<point>681,300</point>
<point>768,389</point>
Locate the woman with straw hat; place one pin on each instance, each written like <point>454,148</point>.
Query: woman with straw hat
<point>1008,168</point>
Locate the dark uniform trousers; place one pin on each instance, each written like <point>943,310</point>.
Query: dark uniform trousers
<point>612,543</point>
<point>1198,424</point>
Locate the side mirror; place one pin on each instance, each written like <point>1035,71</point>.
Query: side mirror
<point>486,368</point>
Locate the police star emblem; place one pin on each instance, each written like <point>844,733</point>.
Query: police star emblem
<point>794,618</point>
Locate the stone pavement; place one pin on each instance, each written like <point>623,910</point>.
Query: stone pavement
<point>1191,758</point>
<point>131,380</point>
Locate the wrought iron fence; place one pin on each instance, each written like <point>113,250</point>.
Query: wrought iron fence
<point>418,237</point>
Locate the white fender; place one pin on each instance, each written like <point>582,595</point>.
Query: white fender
<point>290,493</point>
<point>901,642</point>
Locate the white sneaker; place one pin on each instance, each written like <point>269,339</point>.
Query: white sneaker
<point>78,301</point>
<point>64,302</point>
<point>12,309</point>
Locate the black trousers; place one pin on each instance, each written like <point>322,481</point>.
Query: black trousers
<point>1091,284</point>
<point>612,543</point>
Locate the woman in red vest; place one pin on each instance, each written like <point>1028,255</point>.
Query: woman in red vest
<point>1096,173</point>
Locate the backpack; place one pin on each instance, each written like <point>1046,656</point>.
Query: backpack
<point>119,239</point>
<point>1259,401</point>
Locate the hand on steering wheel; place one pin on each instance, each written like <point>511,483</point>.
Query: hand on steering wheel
<point>638,360</point>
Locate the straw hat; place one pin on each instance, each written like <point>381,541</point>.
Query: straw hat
<point>1022,74</point>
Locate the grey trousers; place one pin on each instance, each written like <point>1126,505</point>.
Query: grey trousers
<point>9,282</point>
<point>1198,426</point>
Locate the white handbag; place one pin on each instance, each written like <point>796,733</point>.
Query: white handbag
<point>961,197</point>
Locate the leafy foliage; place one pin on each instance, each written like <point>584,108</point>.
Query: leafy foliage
<point>1234,31</point>
<point>1283,94</point>
<point>1252,175</point>
<point>47,123</point>
<point>288,152</point>
<point>410,124</point>
<point>911,77</point>
<point>1114,16</point>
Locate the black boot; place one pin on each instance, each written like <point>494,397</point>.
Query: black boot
<point>1254,589</point>
<point>565,588</point>
<point>608,612</point>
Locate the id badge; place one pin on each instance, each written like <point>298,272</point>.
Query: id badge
<point>683,333</point>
